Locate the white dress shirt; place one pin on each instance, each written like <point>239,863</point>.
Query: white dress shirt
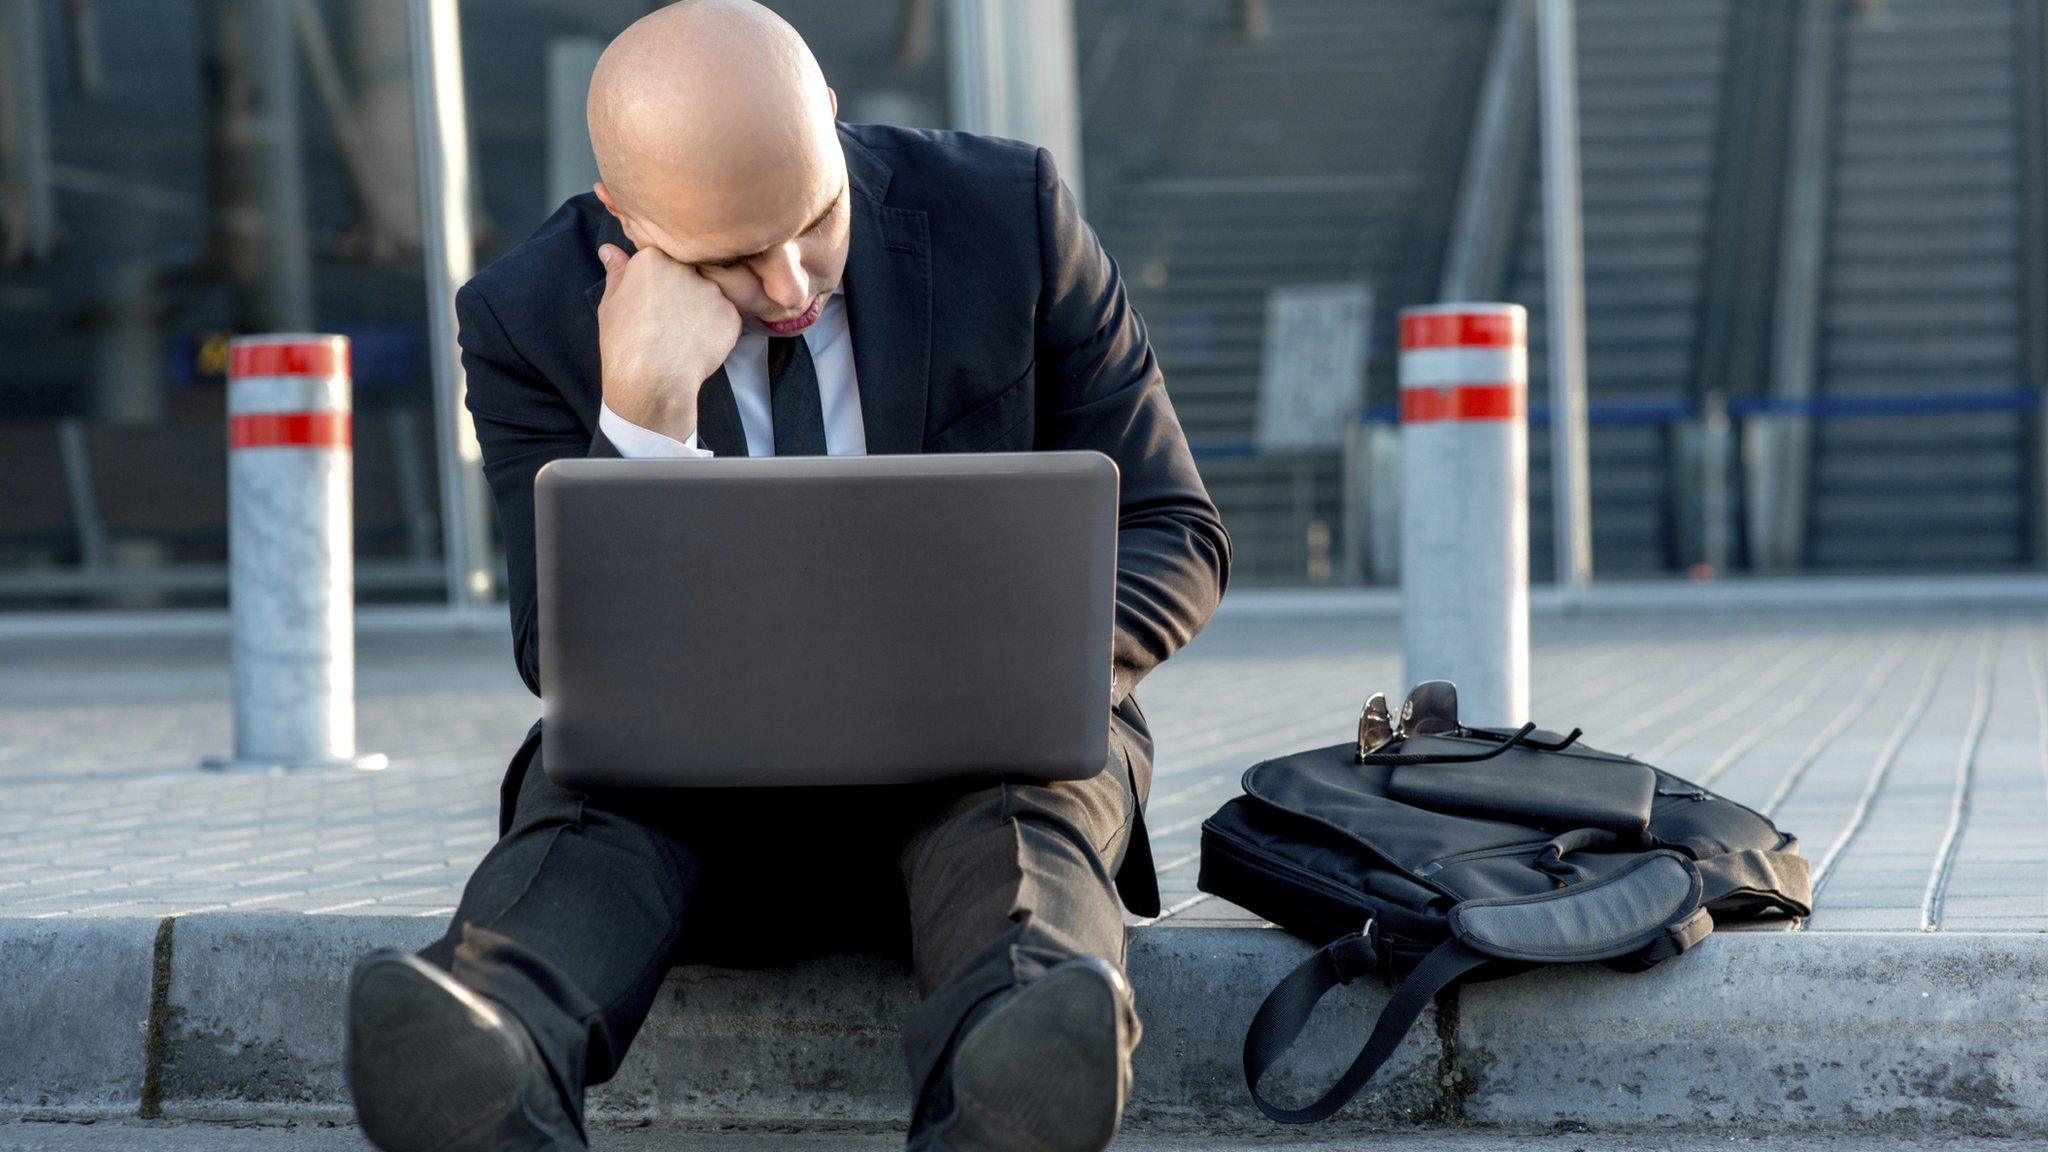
<point>747,370</point>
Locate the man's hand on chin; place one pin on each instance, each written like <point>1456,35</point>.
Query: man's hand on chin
<point>662,329</point>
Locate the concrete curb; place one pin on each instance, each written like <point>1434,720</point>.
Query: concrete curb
<point>228,1016</point>
<point>248,1020</point>
<point>1762,1030</point>
<point>74,1008</point>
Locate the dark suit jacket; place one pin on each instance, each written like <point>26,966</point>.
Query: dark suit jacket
<point>985,317</point>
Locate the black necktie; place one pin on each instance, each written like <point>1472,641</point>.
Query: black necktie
<point>793,395</point>
<point>718,418</point>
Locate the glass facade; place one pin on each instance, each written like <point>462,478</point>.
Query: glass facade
<point>179,172</point>
<point>1814,244</point>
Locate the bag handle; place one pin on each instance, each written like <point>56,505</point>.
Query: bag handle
<point>1287,1008</point>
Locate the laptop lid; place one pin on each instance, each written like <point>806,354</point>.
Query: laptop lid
<point>825,620</point>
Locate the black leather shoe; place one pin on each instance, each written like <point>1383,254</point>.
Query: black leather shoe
<point>434,1067</point>
<point>1046,1068</point>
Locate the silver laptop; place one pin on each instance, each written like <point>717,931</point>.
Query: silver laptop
<point>826,620</point>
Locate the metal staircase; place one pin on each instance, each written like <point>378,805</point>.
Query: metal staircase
<point>1327,149</point>
<point>1922,293</point>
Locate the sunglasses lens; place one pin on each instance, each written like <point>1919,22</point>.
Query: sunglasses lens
<point>1375,725</point>
<point>1431,708</point>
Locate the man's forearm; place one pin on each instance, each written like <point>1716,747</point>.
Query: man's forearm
<point>1171,572</point>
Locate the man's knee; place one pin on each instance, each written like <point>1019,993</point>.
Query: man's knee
<point>1098,809</point>
<point>1095,813</point>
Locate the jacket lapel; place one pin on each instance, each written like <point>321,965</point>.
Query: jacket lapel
<point>889,307</point>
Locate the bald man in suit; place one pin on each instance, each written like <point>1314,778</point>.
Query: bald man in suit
<point>752,277</point>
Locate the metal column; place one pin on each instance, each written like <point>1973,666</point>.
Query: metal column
<point>1564,262</point>
<point>1782,446</point>
<point>1482,240</point>
<point>443,135</point>
<point>1014,74</point>
<point>28,206</point>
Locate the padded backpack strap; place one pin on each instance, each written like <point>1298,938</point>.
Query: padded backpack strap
<point>1287,1009</point>
<point>1616,915</point>
<point>1758,877</point>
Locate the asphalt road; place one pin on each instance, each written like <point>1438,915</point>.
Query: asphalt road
<point>190,1136</point>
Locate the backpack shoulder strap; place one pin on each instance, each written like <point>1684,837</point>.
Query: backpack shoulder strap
<point>1649,909</point>
<point>1287,1009</point>
<point>1754,878</point>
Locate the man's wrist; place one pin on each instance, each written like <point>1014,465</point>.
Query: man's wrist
<point>634,439</point>
<point>665,415</point>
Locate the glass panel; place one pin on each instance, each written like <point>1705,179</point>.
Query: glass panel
<point>214,169</point>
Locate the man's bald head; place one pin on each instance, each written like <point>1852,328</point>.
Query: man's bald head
<point>715,140</point>
<point>709,119</point>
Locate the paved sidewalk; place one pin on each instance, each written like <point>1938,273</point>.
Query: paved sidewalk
<point>1908,749</point>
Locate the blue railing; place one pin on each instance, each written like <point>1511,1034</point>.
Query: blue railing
<point>1653,412</point>
<point>1828,407</point>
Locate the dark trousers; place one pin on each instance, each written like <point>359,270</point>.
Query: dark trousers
<point>575,916</point>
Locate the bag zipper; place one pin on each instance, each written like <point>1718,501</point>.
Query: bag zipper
<point>1688,793</point>
<point>1703,794</point>
<point>1432,867</point>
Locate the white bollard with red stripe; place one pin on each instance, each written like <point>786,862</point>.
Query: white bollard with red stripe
<point>1465,505</point>
<point>291,568</point>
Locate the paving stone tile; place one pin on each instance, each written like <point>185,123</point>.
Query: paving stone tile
<point>110,817</point>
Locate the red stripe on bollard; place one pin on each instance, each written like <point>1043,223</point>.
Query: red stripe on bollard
<point>1461,330</point>
<point>290,430</point>
<point>1461,402</point>
<point>312,358</point>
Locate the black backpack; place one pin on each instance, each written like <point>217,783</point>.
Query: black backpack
<point>1428,853</point>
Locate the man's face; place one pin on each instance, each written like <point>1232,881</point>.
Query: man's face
<point>780,289</point>
<point>774,243</point>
